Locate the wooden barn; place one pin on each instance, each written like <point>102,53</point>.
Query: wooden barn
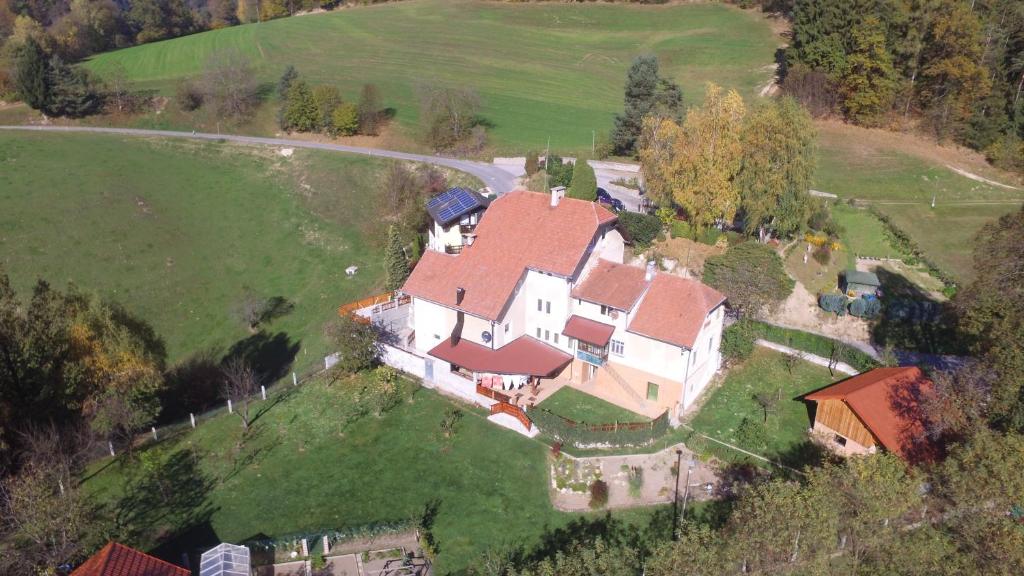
<point>880,408</point>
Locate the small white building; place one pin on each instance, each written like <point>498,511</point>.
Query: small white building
<point>542,293</point>
<point>455,213</point>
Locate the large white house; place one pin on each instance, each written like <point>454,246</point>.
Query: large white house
<point>542,295</point>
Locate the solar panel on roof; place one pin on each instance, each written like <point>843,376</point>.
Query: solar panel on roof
<point>453,203</point>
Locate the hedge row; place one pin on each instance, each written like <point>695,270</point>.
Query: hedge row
<point>805,341</point>
<point>905,244</point>
<point>582,435</point>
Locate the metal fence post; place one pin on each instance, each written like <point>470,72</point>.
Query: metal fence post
<point>295,379</point>
<point>110,445</point>
<point>193,418</point>
<point>230,410</point>
<point>263,391</point>
<point>153,428</point>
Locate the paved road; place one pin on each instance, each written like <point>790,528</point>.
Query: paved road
<point>498,180</point>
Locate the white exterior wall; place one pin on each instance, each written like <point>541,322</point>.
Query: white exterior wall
<point>433,323</point>
<point>707,357</point>
<point>515,317</point>
<point>548,289</point>
<point>444,236</point>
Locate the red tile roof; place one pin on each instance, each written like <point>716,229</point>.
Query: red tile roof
<point>588,330</point>
<point>119,560</point>
<point>519,231</point>
<point>612,284</point>
<point>674,309</point>
<point>887,400</point>
<point>524,355</point>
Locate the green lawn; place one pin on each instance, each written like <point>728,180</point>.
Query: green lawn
<point>864,234</point>
<point>542,69</point>
<point>582,407</point>
<point>764,373</point>
<point>175,231</point>
<point>312,462</point>
<point>902,186</point>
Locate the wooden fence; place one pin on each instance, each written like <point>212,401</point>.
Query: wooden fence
<point>380,302</point>
<point>502,407</point>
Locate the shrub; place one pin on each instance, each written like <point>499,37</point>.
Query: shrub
<point>188,96</point>
<point>681,229</point>
<point>752,435</point>
<point>641,229</point>
<point>345,119</point>
<point>814,344</point>
<point>751,275</point>
<point>823,254</point>
<point>598,494</point>
<point>559,172</point>
<point>709,236</point>
<point>834,303</point>
<point>866,308</point>
<point>356,344</point>
<point>584,181</point>
<point>738,341</point>
<point>532,163</point>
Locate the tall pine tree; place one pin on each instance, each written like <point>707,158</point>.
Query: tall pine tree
<point>869,85</point>
<point>32,77</point>
<point>395,263</point>
<point>646,94</point>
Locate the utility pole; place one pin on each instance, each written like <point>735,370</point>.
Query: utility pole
<point>547,165</point>
<point>593,142</point>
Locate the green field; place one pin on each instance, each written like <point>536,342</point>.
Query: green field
<point>176,231</point>
<point>542,70</point>
<point>312,462</point>
<point>766,373</point>
<point>902,186</point>
<point>582,407</point>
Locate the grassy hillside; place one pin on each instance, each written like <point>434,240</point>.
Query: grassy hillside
<point>312,462</point>
<point>542,70</point>
<point>176,230</point>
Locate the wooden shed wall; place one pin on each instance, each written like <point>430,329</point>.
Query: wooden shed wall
<point>837,415</point>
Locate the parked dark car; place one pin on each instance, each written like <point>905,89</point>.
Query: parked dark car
<point>604,196</point>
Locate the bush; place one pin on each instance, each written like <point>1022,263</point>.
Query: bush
<point>640,229</point>
<point>532,163</point>
<point>681,229</point>
<point>559,173</point>
<point>345,119</point>
<point>823,254</point>
<point>751,275</point>
<point>567,432</point>
<point>813,344</point>
<point>188,96</point>
<point>584,182</point>
<point>833,303</point>
<point>598,494</point>
<point>737,341</point>
<point>866,308</point>
<point>752,435</point>
<point>356,344</point>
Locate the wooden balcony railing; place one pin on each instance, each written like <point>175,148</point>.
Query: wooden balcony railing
<point>514,411</point>
<point>450,249</point>
<point>467,228</point>
<point>493,394</point>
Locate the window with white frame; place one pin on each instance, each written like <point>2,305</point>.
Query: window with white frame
<point>540,305</point>
<point>538,332</point>
<point>618,347</point>
<point>548,307</point>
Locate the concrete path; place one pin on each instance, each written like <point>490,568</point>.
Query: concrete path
<point>498,180</point>
<point>812,358</point>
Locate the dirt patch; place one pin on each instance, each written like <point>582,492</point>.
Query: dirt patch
<point>869,142</point>
<point>688,255</point>
<point>801,311</point>
<point>982,179</point>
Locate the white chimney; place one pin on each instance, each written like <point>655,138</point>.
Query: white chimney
<point>650,271</point>
<point>556,194</point>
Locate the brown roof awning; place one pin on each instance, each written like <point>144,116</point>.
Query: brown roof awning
<point>524,355</point>
<point>592,331</point>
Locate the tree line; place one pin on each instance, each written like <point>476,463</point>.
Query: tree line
<point>955,67</point>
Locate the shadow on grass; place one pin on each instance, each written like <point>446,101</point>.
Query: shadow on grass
<point>912,319</point>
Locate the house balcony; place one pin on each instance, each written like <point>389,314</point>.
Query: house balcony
<point>453,249</point>
<point>591,358</point>
<point>467,229</point>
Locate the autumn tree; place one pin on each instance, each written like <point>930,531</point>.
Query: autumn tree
<point>355,343</point>
<point>326,99</point>
<point>345,119</point>
<point>447,115</point>
<point>369,110</point>
<point>230,83</point>
<point>695,165</point>
<point>776,168</point>
<point>239,386</point>
<point>751,275</point>
<point>869,84</point>
<point>991,311</point>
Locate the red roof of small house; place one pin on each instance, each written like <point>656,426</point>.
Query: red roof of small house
<point>120,560</point>
<point>674,310</point>
<point>613,284</point>
<point>588,330</point>
<point>519,231</point>
<point>524,355</point>
<point>888,402</point>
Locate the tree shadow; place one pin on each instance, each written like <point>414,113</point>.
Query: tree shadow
<point>270,355</point>
<point>192,386</point>
<point>142,330</point>
<point>167,491</point>
<point>912,319</point>
<point>907,400</point>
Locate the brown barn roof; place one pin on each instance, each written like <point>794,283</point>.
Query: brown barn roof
<point>120,560</point>
<point>524,355</point>
<point>613,284</point>
<point>888,402</point>
<point>674,309</point>
<point>519,231</point>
